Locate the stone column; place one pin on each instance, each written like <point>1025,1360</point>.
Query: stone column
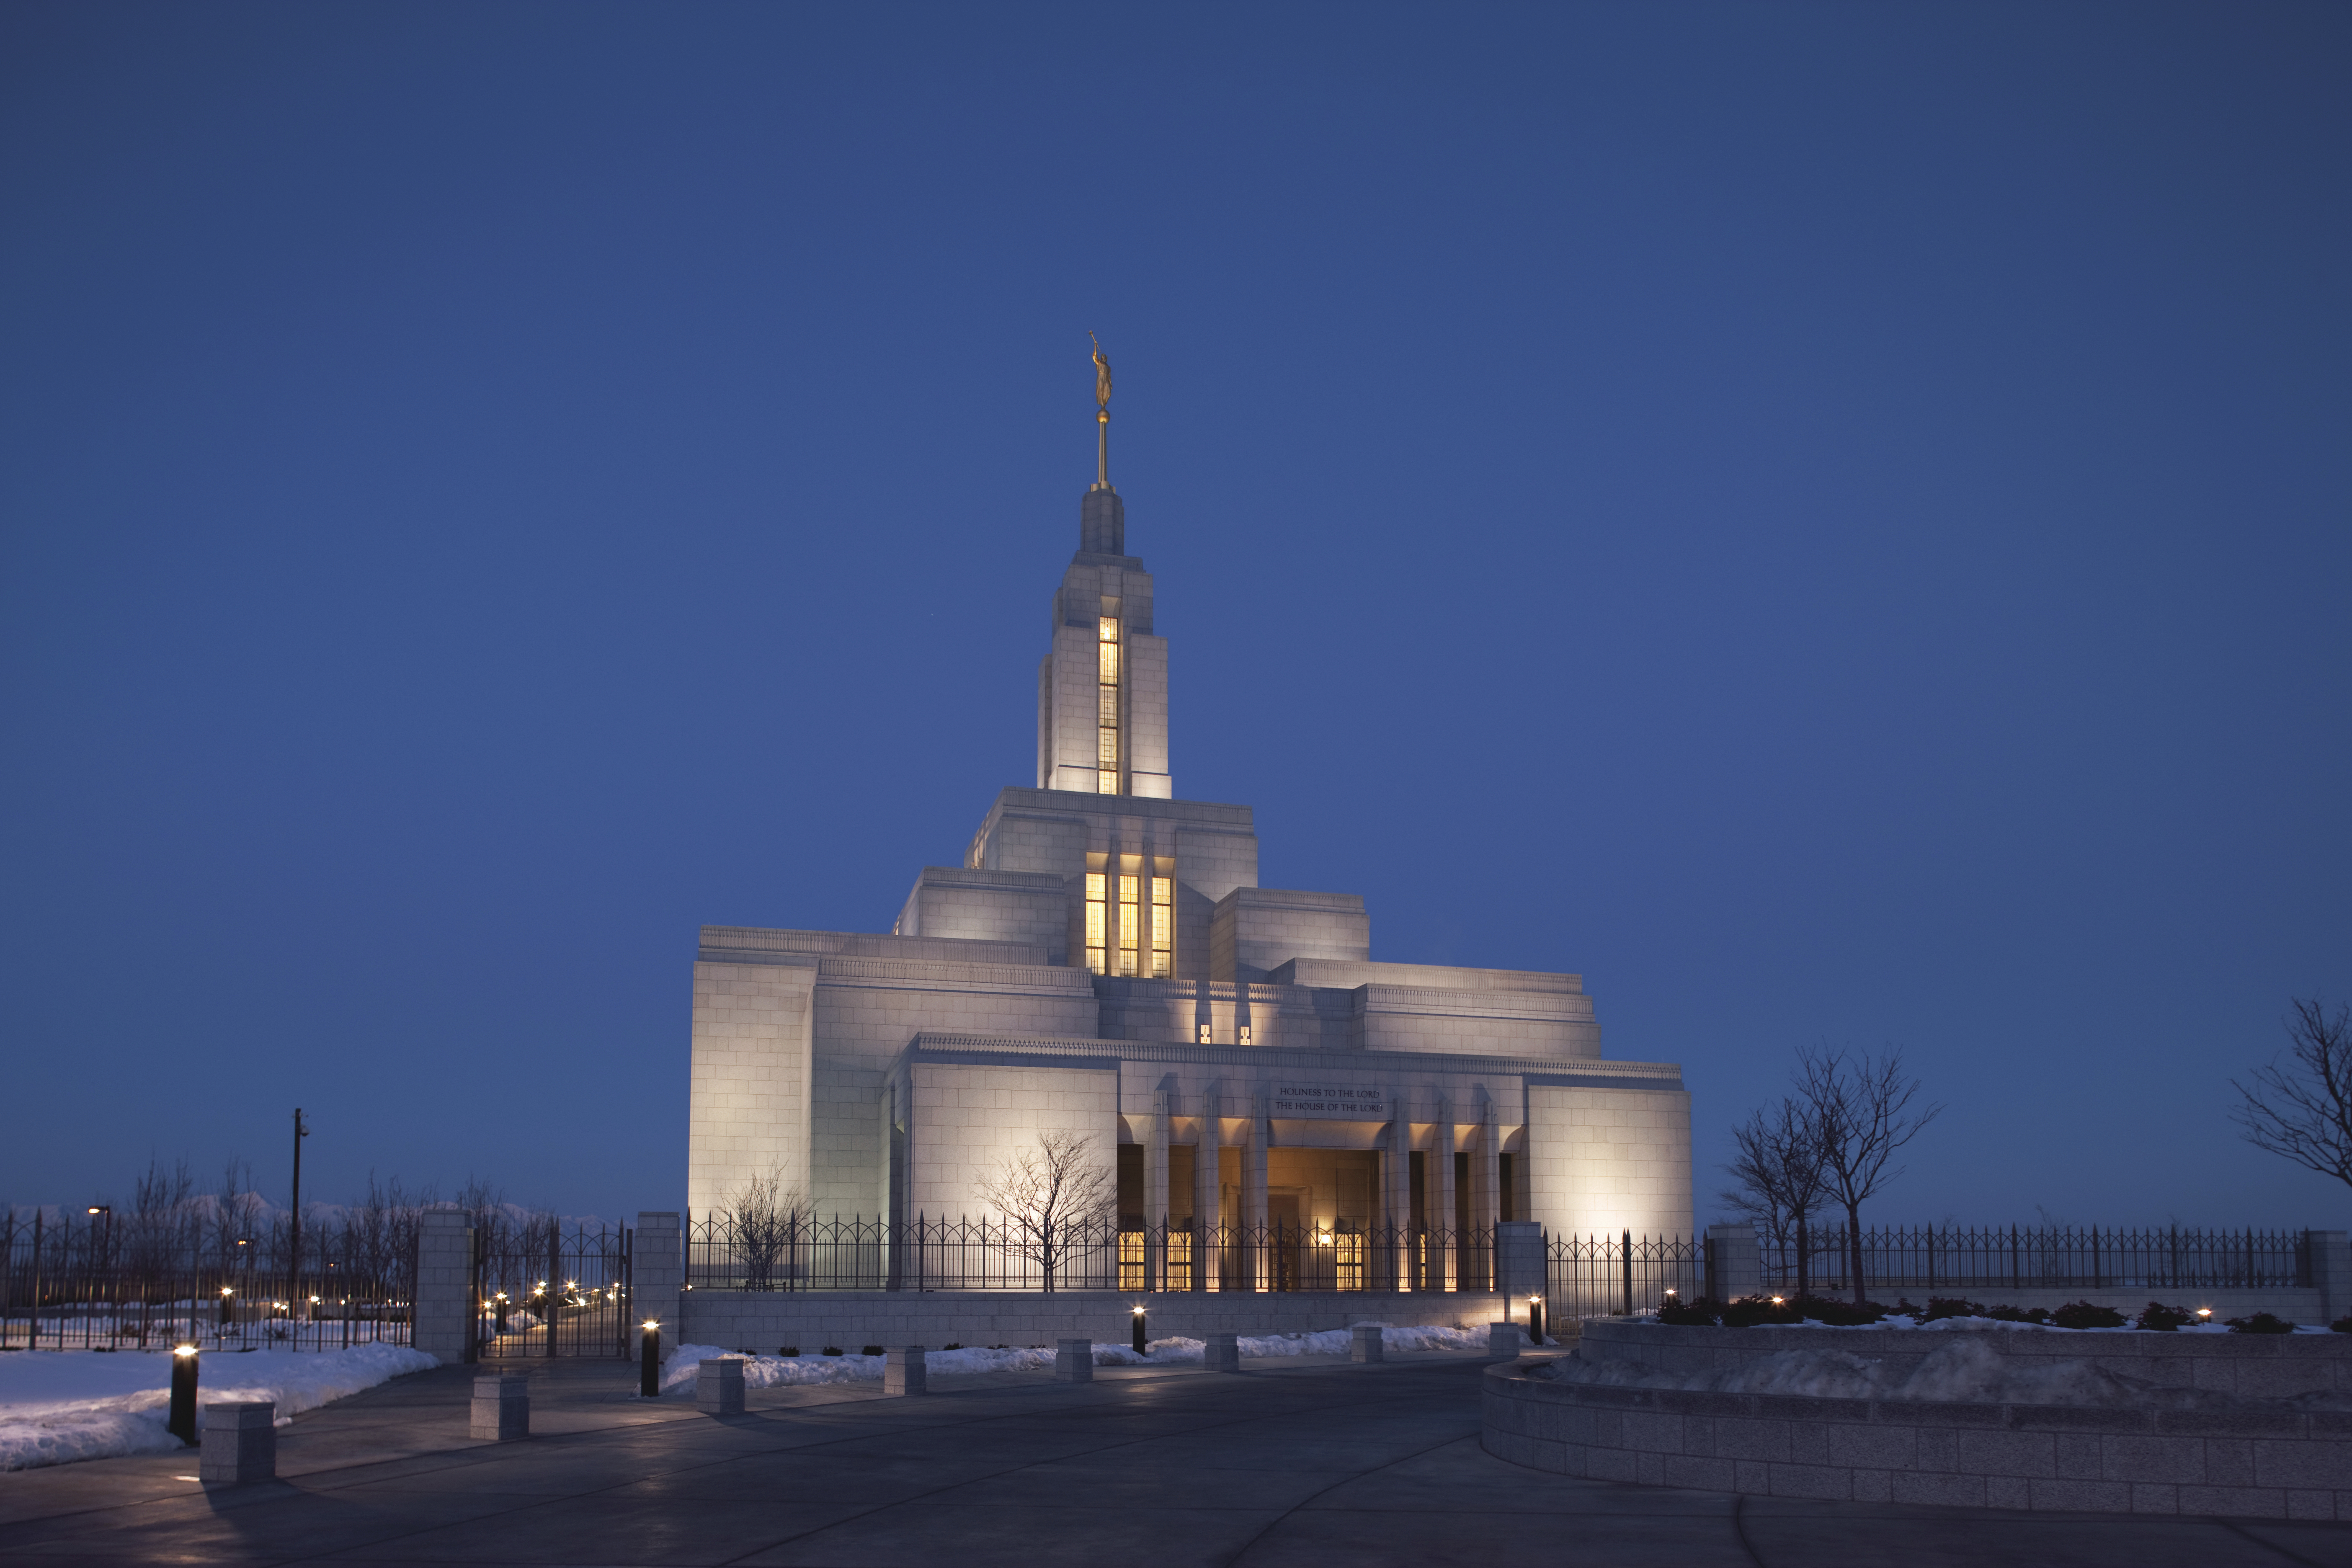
<point>445,1325</point>
<point>1735,1265</point>
<point>1253,1254</point>
<point>1487,1170</point>
<point>657,1270</point>
<point>1399,1195</point>
<point>1155,1196</point>
<point>1442,1199</point>
<point>1207,1191</point>
<point>2331,1271</point>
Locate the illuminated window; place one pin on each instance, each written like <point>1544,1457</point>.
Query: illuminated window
<point>1131,920</point>
<point>1097,921</point>
<point>1107,707</point>
<point>1241,1035</point>
<point>1163,926</point>
<point>1207,1033</point>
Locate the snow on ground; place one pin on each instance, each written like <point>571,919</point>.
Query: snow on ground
<point>777,1372</point>
<point>1972,1325</point>
<point>1961,1371</point>
<point>57,1406</point>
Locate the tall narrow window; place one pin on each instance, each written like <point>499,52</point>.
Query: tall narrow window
<point>1107,707</point>
<point>1163,926</point>
<point>1130,920</point>
<point>1097,921</point>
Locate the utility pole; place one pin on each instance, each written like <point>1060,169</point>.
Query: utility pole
<point>294,1259</point>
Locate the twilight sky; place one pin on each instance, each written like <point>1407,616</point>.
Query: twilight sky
<point>1829,521</point>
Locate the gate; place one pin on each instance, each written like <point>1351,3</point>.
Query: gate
<point>541,1293</point>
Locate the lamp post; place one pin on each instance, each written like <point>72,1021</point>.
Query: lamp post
<point>1138,1330</point>
<point>183,1424</point>
<point>227,1297</point>
<point>105,1256</point>
<point>294,1220</point>
<point>649,1360</point>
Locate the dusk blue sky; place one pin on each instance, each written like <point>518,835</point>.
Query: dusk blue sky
<point>1828,520</point>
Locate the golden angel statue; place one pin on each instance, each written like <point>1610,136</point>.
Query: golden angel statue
<point>1102,373</point>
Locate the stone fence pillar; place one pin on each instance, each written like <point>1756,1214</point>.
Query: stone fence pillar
<point>444,1324</point>
<point>1735,1265</point>
<point>1518,1262</point>
<point>2331,1271</point>
<point>657,1270</point>
<point>1074,1360</point>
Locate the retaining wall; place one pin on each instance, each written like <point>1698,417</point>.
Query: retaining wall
<point>2252,1366</point>
<point>766,1321</point>
<point>2268,1466</point>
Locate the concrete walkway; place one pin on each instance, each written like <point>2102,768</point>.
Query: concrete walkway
<point>1302,1462</point>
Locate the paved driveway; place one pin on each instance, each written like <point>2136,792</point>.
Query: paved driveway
<point>1309,1463</point>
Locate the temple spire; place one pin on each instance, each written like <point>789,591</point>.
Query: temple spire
<point>1102,415</point>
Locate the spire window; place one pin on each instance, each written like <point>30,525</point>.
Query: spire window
<point>1106,757</point>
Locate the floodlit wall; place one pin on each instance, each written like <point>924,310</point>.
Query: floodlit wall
<point>1600,1160</point>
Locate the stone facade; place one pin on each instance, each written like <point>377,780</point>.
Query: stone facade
<point>1105,961</point>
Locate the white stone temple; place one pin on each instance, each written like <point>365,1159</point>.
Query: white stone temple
<point>1105,961</point>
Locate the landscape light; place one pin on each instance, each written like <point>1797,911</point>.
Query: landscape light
<point>1776,1301</point>
<point>651,1324</point>
<point>226,1291</point>
<point>183,1349</point>
<point>2205,1312</point>
<point>1672,1291</point>
<point>1138,1310</point>
<point>100,1208</point>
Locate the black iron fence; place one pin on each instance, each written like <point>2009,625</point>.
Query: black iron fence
<point>65,1285</point>
<point>1600,1275</point>
<point>994,1254</point>
<point>1965,1260</point>
<point>554,1294</point>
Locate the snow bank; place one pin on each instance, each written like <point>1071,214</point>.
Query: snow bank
<point>1898,1323</point>
<point>678,1370</point>
<point>1963,1371</point>
<point>57,1406</point>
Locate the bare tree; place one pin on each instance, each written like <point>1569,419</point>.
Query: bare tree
<point>1052,1197</point>
<point>2304,1111</point>
<point>1778,1164</point>
<point>1862,1109</point>
<point>766,1219</point>
<point>237,1213</point>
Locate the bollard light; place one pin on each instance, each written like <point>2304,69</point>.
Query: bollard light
<point>649,1360</point>
<point>226,1306</point>
<point>1535,1319</point>
<point>1139,1332</point>
<point>183,1424</point>
<point>2204,1314</point>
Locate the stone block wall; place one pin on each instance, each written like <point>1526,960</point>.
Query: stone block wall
<point>765,1322</point>
<point>2284,1466</point>
<point>2250,1366</point>
<point>1602,1161</point>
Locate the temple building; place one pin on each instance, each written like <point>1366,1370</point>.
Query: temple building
<point>1104,961</point>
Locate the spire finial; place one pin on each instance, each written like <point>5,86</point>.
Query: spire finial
<point>1102,415</point>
